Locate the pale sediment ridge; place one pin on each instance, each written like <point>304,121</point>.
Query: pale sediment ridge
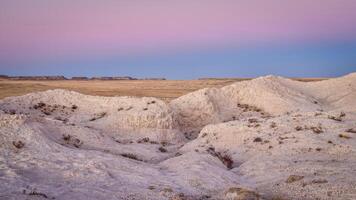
<point>266,138</point>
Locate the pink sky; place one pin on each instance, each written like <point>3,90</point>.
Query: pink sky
<point>40,28</point>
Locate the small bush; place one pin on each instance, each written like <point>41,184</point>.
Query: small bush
<point>337,118</point>
<point>162,149</point>
<point>316,129</point>
<point>130,156</point>
<point>298,128</point>
<point>319,181</point>
<point>18,144</point>
<point>143,140</point>
<point>39,105</point>
<point>252,120</point>
<point>98,116</point>
<point>72,140</point>
<point>241,193</point>
<point>225,159</point>
<point>294,178</point>
<point>351,130</point>
<point>66,137</point>
<point>257,139</point>
<point>344,136</point>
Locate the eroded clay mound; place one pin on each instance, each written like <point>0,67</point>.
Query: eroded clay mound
<point>266,138</point>
<point>105,112</point>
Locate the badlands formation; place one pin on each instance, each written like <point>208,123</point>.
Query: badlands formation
<point>267,138</point>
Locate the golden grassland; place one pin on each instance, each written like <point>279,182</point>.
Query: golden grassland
<point>163,89</point>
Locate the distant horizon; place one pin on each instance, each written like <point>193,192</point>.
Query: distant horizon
<point>178,39</point>
<point>140,78</point>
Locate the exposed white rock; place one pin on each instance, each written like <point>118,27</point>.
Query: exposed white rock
<point>266,138</point>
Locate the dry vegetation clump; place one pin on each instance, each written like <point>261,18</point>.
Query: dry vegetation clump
<point>120,109</point>
<point>49,109</point>
<point>130,156</point>
<point>143,140</point>
<point>39,105</point>
<point>319,181</point>
<point>252,120</point>
<point>337,118</point>
<point>74,107</point>
<point>162,149</point>
<point>151,187</point>
<point>35,193</point>
<point>11,112</point>
<point>129,108</point>
<point>257,139</point>
<point>294,178</point>
<point>224,158</point>
<point>145,109</point>
<point>236,193</point>
<point>246,108</point>
<point>98,116</point>
<point>273,125</point>
<point>18,144</point>
<point>316,129</point>
<point>298,128</point>
<point>72,140</point>
<point>64,120</point>
<point>351,130</point>
<point>317,114</point>
<point>151,102</point>
<point>341,135</point>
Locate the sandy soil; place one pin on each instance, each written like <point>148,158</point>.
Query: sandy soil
<point>162,89</point>
<point>266,138</point>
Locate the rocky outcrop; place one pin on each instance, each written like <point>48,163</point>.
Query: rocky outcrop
<point>80,78</point>
<point>37,78</point>
<point>112,78</point>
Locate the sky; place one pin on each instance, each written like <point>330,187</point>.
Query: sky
<point>178,39</point>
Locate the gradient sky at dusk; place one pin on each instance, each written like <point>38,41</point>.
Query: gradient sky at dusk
<point>178,39</point>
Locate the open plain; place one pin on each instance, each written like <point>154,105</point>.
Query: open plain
<point>162,89</point>
<point>265,138</point>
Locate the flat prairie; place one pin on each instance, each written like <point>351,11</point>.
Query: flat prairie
<point>162,89</point>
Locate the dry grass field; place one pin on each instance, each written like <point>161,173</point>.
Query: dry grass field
<point>163,89</point>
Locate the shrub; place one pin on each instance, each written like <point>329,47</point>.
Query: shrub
<point>130,156</point>
<point>143,140</point>
<point>298,128</point>
<point>337,118</point>
<point>241,193</point>
<point>225,159</point>
<point>351,130</point>
<point>294,178</point>
<point>98,116</point>
<point>162,149</point>
<point>257,139</point>
<point>18,144</point>
<point>344,136</point>
<point>317,129</point>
